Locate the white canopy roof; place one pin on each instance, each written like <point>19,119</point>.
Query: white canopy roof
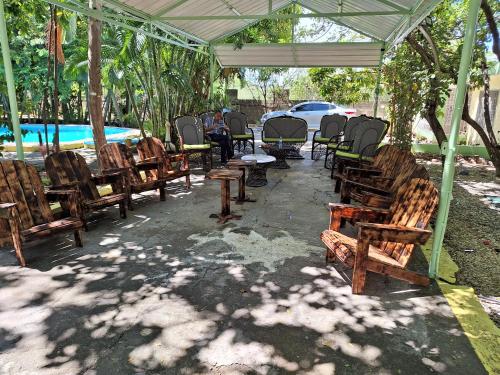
<point>210,20</point>
<point>300,55</point>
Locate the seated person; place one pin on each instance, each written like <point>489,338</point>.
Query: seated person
<point>214,127</point>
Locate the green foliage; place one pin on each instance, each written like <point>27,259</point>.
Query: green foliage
<point>344,85</point>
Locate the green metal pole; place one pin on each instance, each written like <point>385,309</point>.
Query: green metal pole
<point>377,85</point>
<point>450,149</point>
<point>11,88</point>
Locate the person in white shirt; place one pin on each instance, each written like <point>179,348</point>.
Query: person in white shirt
<point>213,128</point>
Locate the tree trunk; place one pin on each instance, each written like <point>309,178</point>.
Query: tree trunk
<point>95,85</point>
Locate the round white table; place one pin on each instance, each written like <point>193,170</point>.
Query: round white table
<point>257,173</point>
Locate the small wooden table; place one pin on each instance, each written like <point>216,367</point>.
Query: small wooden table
<point>225,176</point>
<point>241,165</point>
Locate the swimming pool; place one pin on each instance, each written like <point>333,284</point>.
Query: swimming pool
<point>72,133</point>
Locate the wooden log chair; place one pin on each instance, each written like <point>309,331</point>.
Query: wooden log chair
<point>386,163</point>
<point>174,165</point>
<point>380,191</point>
<point>346,138</point>
<point>386,239</point>
<point>117,157</point>
<point>330,130</point>
<point>237,122</point>
<point>68,170</point>
<point>363,146</point>
<point>291,130</point>
<point>193,140</point>
<point>25,213</point>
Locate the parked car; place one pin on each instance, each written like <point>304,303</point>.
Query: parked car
<point>312,112</point>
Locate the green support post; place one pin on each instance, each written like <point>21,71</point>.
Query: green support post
<point>11,88</point>
<point>377,85</point>
<point>450,148</point>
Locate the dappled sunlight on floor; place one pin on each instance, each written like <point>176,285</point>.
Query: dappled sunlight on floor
<point>169,291</point>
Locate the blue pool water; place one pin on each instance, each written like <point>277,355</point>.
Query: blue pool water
<point>67,133</point>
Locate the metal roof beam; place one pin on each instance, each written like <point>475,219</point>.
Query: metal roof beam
<point>394,5</point>
<point>282,16</point>
<point>102,16</point>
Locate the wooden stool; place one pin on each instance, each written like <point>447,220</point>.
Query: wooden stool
<point>241,165</point>
<point>225,176</point>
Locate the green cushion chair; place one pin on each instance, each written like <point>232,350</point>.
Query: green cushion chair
<point>330,131</point>
<point>366,140</point>
<point>237,123</point>
<point>192,138</point>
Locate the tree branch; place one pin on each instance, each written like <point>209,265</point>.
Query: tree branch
<point>490,19</point>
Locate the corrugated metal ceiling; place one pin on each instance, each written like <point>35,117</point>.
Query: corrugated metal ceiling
<point>300,55</point>
<point>386,27</point>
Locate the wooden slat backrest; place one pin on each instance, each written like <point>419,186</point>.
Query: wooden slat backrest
<point>413,206</point>
<point>67,167</point>
<point>21,184</point>
<point>396,160</point>
<point>117,155</point>
<point>383,156</point>
<point>151,147</point>
<point>406,171</point>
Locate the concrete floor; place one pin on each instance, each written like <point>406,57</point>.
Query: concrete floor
<point>170,291</point>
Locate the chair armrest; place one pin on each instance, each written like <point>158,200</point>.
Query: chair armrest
<point>65,186</point>
<point>251,130</point>
<point>339,211</point>
<point>334,138</point>
<point>108,178</point>
<point>367,148</point>
<point>362,172</point>
<point>350,184</point>
<point>115,170</point>
<point>393,233</point>
<point>148,165</point>
<point>6,210</point>
<point>376,200</point>
<point>55,195</point>
<point>316,132</point>
<point>343,143</point>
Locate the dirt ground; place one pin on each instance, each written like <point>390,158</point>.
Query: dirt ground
<point>473,232</point>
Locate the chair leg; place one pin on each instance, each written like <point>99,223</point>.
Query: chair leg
<point>326,156</point>
<point>16,240</point>
<point>188,182</point>
<point>162,193</point>
<point>130,206</point>
<point>253,146</point>
<point>78,238</point>
<point>123,209</point>
<point>312,151</point>
<point>333,166</point>
<point>359,272</point>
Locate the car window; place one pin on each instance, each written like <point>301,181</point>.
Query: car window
<point>332,106</point>
<point>320,107</point>
<point>303,108</point>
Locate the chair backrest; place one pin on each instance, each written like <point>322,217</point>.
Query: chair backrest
<point>151,147</point>
<point>332,125</point>
<point>393,159</point>
<point>352,125</point>
<point>21,184</point>
<point>368,136</point>
<point>413,206</point>
<point>285,127</point>
<point>236,122</point>
<point>67,167</point>
<point>206,115</point>
<point>118,155</point>
<point>190,129</point>
<point>408,170</point>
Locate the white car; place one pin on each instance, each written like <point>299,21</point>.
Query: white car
<point>312,112</point>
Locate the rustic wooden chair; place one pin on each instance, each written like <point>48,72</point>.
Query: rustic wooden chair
<point>347,136</point>
<point>174,165</point>
<point>379,191</point>
<point>385,163</point>
<point>117,157</point>
<point>25,213</point>
<point>386,238</point>
<point>68,170</point>
<point>364,145</point>
<point>193,140</point>
<point>330,130</point>
<point>237,123</point>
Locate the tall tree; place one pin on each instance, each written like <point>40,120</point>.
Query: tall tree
<point>95,84</point>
